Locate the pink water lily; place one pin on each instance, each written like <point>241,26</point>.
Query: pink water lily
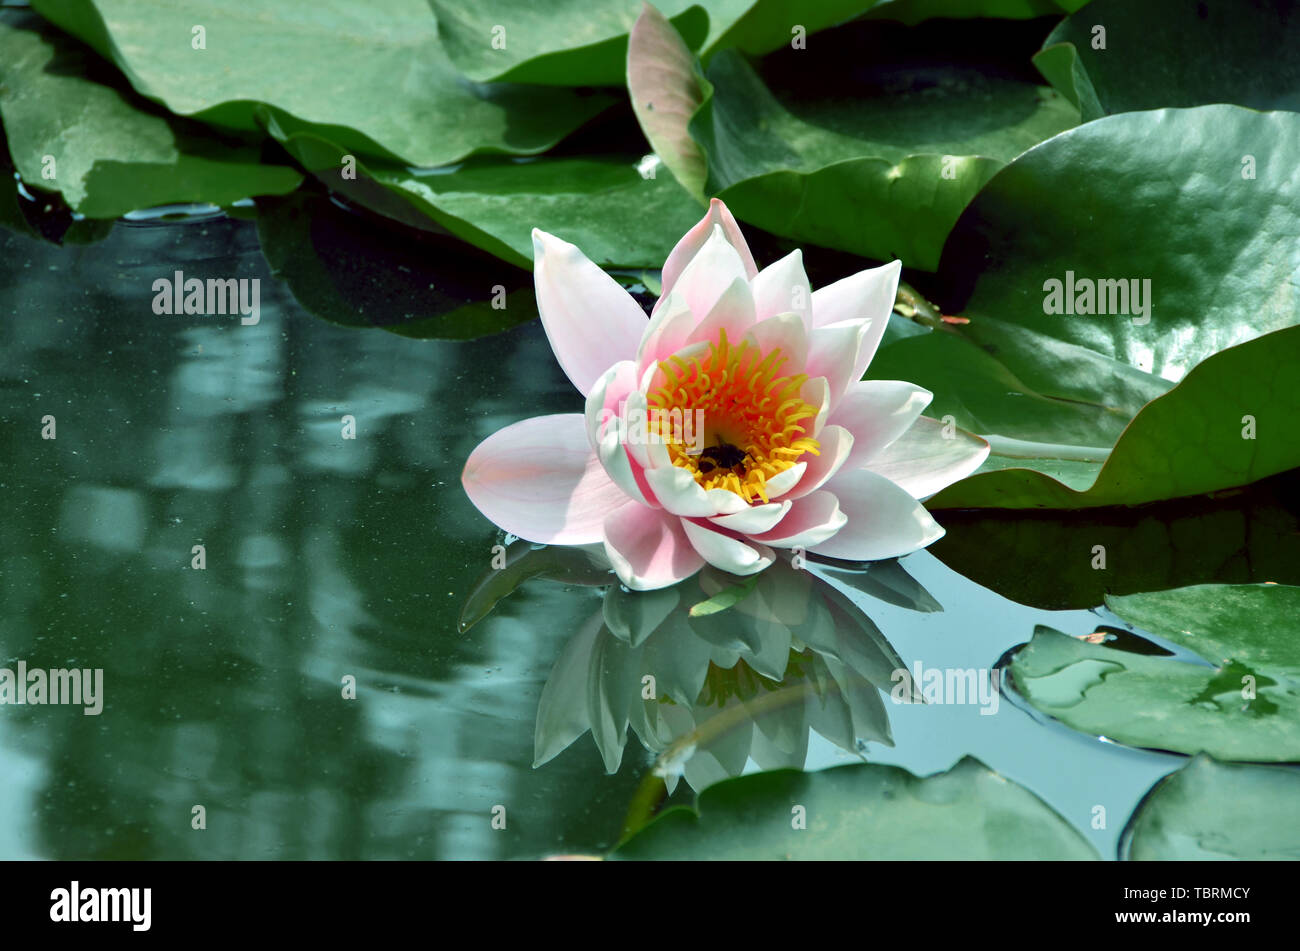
<point>791,448</point>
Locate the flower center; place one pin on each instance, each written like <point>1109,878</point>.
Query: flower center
<point>750,414</point>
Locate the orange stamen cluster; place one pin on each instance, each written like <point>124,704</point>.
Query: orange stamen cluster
<point>751,416</point>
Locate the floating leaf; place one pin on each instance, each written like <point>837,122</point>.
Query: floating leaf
<point>1212,810</point>
<point>1233,420</point>
<point>903,146</point>
<point>106,150</point>
<point>1208,52</point>
<point>862,812</point>
<point>373,78</point>
<point>1242,703</point>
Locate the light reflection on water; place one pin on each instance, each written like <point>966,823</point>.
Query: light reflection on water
<point>325,558</point>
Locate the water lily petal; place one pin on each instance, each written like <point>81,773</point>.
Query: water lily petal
<point>734,313</point>
<point>817,394</point>
<point>679,493</point>
<point>648,547</point>
<point>787,332</point>
<point>924,460</point>
<point>753,519</point>
<point>836,445</point>
<point>539,479</point>
<point>868,294</point>
<point>708,275</point>
<point>812,520</point>
<point>877,412</point>
<point>666,333</point>
<point>611,389</point>
<point>782,288</point>
<point>591,322</point>
<point>783,482</point>
<point>834,351</point>
<point>694,239</point>
<point>729,554</point>
<point>884,521</point>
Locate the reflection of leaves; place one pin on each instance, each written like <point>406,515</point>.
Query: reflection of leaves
<point>862,812</point>
<point>523,561</point>
<point>348,269</point>
<point>725,598</point>
<point>1045,559</point>
<point>1244,704</point>
<point>886,580</point>
<point>1213,810</point>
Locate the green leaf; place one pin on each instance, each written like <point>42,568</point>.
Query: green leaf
<point>1014,382</point>
<point>372,78</point>
<point>1209,52</point>
<point>1214,254</point>
<point>1213,810</point>
<point>601,204</point>
<point>563,42</point>
<point>1234,419</point>
<point>726,598</point>
<point>349,269</point>
<point>862,812</point>
<point>770,24</point>
<point>905,149</point>
<point>1050,560</point>
<point>666,87</point>
<point>1242,702</point>
<point>106,150</point>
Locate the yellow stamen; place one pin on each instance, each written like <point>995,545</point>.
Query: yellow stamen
<point>751,416</point>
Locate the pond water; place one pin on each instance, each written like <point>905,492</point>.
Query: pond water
<point>327,558</point>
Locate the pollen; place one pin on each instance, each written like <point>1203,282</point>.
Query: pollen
<point>753,416</point>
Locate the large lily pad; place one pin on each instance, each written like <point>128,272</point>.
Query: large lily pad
<point>1242,702</point>
<point>563,42</point>
<point>603,204</point>
<point>862,812</point>
<point>902,147</point>
<point>1233,420</point>
<point>1213,251</point>
<point>103,148</point>
<point>373,78</point>
<point>1210,51</point>
<point>1212,810</point>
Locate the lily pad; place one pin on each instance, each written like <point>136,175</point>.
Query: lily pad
<point>1208,52</point>
<point>373,78</point>
<point>105,149</point>
<point>1198,254</point>
<point>603,204</point>
<point>1240,702</point>
<point>862,812</point>
<point>563,42</point>
<point>1233,420</point>
<point>904,146</point>
<point>1213,810</point>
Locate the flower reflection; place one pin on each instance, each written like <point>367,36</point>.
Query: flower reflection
<point>708,673</point>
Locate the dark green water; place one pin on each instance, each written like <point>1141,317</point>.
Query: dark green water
<point>328,558</point>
